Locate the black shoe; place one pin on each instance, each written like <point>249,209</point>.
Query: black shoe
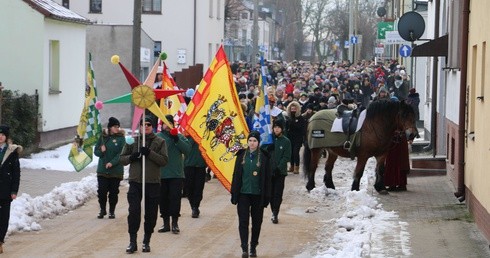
<point>195,212</point>
<point>274,219</point>
<point>102,213</point>
<point>175,229</point>
<point>164,228</point>
<point>112,215</point>
<point>132,247</point>
<point>244,255</point>
<point>175,226</point>
<point>145,248</point>
<point>253,252</point>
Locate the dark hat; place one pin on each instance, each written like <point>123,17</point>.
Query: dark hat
<point>170,118</point>
<point>5,130</point>
<point>254,134</point>
<point>112,122</point>
<point>147,120</point>
<point>279,123</point>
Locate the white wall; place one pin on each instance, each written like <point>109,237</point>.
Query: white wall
<point>24,62</point>
<point>69,103</point>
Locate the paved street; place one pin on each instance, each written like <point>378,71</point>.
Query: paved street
<point>438,225</point>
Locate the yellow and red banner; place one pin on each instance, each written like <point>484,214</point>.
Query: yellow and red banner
<point>214,119</point>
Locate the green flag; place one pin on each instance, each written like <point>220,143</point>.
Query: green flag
<point>89,129</point>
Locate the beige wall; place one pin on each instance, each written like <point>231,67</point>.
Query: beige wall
<point>477,153</point>
<point>174,27</point>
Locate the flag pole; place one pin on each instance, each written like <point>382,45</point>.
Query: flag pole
<point>143,169</point>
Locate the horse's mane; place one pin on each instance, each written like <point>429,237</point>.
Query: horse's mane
<point>382,109</point>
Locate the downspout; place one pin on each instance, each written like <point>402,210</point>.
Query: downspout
<point>195,33</point>
<point>435,73</point>
<point>460,194</point>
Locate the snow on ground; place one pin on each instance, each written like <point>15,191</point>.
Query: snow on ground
<point>362,228</point>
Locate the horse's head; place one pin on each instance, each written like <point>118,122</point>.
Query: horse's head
<point>406,121</point>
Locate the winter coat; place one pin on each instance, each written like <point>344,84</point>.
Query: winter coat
<point>158,158</point>
<point>265,177</point>
<point>10,172</point>
<point>114,144</point>
<point>413,100</point>
<point>295,125</point>
<point>194,157</point>
<point>176,152</point>
<point>281,155</point>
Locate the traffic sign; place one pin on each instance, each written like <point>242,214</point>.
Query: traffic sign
<point>353,40</point>
<point>346,44</point>
<point>405,51</point>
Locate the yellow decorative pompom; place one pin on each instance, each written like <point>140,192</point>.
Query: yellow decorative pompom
<point>115,59</point>
<point>143,96</point>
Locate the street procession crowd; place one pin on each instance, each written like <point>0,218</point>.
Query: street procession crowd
<point>175,167</point>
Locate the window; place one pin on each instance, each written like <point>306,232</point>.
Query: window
<point>152,6</point>
<point>66,4</point>
<point>244,37</point>
<point>95,6</point>
<point>157,48</point>
<point>211,8</point>
<point>244,16</point>
<point>54,67</point>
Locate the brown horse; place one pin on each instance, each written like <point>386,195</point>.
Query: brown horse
<point>385,121</point>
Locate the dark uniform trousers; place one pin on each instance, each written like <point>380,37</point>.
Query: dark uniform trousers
<point>277,190</point>
<point>111,186</point>
<point>151,206</point>
<point>195,177</point>
<point>249,205</point>
<point>171,195</point>
<point>4,217</point>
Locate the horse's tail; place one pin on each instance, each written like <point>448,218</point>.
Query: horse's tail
<point>306,160</point>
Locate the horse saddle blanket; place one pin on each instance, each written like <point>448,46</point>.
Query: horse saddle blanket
<point>348,123</point>
<point>319,133</point>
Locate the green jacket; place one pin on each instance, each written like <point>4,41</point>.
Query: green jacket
<point>176,152</point>
<point>194,157</point>
<point>281,155</point>
<point>114,144</point>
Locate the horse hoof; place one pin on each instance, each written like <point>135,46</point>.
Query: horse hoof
<point>382,192</point>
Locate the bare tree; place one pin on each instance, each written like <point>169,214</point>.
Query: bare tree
<point>315,16</point>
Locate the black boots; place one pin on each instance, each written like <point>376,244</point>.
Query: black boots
<point>132,247</point>
<point>274,218</point>
<point>146,243</point>
<point>195,212</point>
<point>166,225</point>
<point>244,251</point>
<point>175,226</point>
<point>112,208</point>
<point>253,250</point>
<point>102,213</point>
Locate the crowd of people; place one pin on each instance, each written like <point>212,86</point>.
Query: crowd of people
<point>174,165</point>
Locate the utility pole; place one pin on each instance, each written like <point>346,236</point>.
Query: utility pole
<point>135,54</point>
<point>255,33</point>
<point>351,30</point>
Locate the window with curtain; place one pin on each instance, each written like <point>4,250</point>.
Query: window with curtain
<point>95,6</point>
<point>151,6</point>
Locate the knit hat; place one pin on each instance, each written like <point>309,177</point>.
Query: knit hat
<point>254,134</point>
<point>279,123</point>
<point>147,120</point>
<point>170,118</point>
<point>112,122</point>
<point>5,130</point>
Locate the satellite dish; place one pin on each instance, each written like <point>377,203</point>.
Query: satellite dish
<point>411,26</point>
<point>381,11</point>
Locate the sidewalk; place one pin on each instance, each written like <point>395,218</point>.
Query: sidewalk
<point>36,182</point>
<point>438,224</point>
